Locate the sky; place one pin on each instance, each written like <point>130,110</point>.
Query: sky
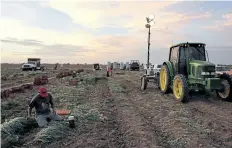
<point>77,31</point>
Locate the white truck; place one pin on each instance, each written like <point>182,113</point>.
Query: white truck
<point>32,64</point>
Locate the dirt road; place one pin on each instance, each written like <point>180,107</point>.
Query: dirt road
<point>147,119</point>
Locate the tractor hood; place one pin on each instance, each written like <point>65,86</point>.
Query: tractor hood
<point>201,63</point>
<point>28,64</point>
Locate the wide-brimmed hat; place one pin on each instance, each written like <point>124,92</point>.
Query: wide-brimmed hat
<point>43,92</point>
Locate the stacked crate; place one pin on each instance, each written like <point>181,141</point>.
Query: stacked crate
<point>60,75</point>
<point>66,73</point>
<point>5,93</point>
<point>28,86</point>
<point>71,72</point>
<point>80,70</point>
<point>43,80</point>
<point>17,89</point>
<point>37,81</point>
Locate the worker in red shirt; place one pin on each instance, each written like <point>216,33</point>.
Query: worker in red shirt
<point>109,71</point>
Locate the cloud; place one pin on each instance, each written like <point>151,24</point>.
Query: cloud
<point>222,24</point>
<point>228,19</point>
<point>25,42</point>
<point>124,14</point>
<point>35,41</point>
<point>56,50</point>
<point>18,29</point>
<point>220,47</point>
<point>101,31</point>
<point>100,14</point>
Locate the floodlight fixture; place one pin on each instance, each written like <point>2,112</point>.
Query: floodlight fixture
<point>148,25</point>
<point>150,18</point>
<point>152,23</point>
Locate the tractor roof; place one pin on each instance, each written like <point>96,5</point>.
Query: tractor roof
<point>33,59</point>
<point>181,44</point>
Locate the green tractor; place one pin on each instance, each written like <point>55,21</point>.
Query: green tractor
<point>189,70</point>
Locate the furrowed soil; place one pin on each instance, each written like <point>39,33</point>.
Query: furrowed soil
<point>129,117</point>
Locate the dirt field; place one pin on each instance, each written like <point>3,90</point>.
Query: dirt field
<point>114,112</point>
<point>11,74</point>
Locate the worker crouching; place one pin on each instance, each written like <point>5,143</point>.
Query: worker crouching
<point>44,107</point>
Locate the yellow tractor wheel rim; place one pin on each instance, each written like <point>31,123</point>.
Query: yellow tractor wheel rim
<point>163,79</point>
<point>177,88</point>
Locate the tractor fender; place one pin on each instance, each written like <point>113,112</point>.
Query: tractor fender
<point>170,68</point>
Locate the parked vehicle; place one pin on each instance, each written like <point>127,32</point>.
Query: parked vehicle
<point>32,64</point>
<point>188,69</point>
<point>220,69</point>
<point>134,65</point>
<point>96,66</point>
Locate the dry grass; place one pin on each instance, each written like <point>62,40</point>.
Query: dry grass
<point>54,132</point>
<point>116,87</point>
<point>73,98</point>
<point>9,104</point>
<point>12,130</point>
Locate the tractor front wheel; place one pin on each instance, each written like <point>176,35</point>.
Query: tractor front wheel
<point>180,88</point>
<point>144,81</point>
<point>164,79</point>
<point>226,95</point>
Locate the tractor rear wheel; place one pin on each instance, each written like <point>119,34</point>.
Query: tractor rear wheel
<point>164,79</point>
<point>227,84</point>
<point>180,88</point>
<point>144,81</point>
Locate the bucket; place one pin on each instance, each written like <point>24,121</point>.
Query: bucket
<point>71,121</point>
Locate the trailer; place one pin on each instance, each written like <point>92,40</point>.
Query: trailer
<point>121,66</point>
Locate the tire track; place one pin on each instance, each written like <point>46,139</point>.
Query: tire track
<point>184,126</point>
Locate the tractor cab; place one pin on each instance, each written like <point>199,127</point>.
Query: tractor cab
<point>187,57</point>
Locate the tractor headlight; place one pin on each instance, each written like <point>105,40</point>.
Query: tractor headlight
<point>205,73</point>
<point>212,73</point>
